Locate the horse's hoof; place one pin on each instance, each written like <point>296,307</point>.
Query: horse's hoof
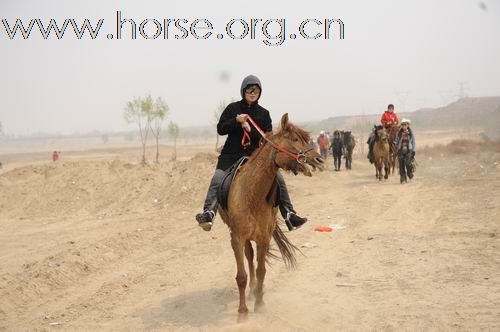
<point>260,307</point>
<point>242,317</point>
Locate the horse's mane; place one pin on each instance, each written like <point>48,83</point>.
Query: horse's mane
<point>295,131</point>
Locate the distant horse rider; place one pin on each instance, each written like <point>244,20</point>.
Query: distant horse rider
<point>388,119</point>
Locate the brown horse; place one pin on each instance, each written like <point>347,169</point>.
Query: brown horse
<point>393,150</point>
<point>251,212</point>
<point>381,152</point>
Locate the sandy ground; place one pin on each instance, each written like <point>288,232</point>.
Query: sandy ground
<point>101,243</point>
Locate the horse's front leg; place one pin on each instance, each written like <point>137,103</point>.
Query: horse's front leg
<point>262,249</point>
<point>386,168</point>
<point>251,267</point>
<point>241,275</point>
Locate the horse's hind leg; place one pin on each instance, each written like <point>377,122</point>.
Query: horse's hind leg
<point>262,249</point>
<point>378,173</point>
<point>251,266</point>
<point>241,275</point>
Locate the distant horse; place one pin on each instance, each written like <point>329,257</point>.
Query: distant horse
<point>1,165</point>
<point>381,152</point>
<point>251,211</point>
<point>348,144</point>
<point>393,150</point>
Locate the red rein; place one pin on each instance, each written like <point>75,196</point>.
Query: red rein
<point>245,141</point>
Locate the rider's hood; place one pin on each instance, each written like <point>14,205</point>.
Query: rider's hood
<point>250,80</point>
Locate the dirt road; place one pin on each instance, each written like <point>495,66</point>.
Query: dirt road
<point>109,245</point>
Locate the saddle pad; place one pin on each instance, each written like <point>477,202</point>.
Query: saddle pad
<point>223,189</point>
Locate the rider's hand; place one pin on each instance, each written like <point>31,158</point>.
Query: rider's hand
<point>246,126</point>
<point>241,118</point>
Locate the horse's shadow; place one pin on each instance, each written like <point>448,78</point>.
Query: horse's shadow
<point>191,309</point>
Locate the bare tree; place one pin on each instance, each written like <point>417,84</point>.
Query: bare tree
<point>173,132</point>
<point>139,111</point>
<point>159,113</point>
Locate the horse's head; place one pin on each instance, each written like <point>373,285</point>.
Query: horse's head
<point>296,141</point>
<point>347,135</point>
<point>382,135</point>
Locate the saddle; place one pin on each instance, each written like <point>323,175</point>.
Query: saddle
<point>273,197</point>
<point>227,180</point>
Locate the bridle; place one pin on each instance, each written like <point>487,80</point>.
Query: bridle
<point>299,156</point>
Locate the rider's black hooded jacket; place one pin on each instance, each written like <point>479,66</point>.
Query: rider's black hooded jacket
<point>233,150</point>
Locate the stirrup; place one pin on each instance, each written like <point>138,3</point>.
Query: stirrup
<point>205,220</point>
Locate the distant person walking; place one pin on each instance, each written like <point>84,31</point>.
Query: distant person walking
<point>405,143</point>
<point>323,144</point>
<point>55,156</point>
<point>336,147</point>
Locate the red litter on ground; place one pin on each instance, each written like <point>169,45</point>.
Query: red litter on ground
<point>323,229</point>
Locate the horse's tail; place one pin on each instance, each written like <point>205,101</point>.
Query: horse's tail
<point>286,248</point>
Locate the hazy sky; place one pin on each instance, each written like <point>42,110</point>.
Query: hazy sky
<point>410,53</point>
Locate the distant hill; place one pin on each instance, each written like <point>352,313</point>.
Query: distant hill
<point>482,113</point>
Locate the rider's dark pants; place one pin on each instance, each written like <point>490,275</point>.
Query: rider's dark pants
<point>405,168</point>
<point>337,159</point>
<point>285,204</point>
<point>371,142</point>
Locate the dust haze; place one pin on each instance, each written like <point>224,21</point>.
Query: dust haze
<point>102,239</point>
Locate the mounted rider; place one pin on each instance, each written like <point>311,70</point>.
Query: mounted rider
<point>388,119</point>
<point>233,122</point>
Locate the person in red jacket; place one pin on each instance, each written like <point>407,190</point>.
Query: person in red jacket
<point>323,144</point>
<point>388,119</point>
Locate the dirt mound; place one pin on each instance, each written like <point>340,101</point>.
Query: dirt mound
<point>463,146</point>
<point>99,187</point>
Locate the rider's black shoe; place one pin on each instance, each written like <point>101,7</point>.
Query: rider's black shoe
<point>370,157</point>
<point>293,221</point>
<point>205,220</point>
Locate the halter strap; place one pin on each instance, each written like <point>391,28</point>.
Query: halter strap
<point>246,139</point>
